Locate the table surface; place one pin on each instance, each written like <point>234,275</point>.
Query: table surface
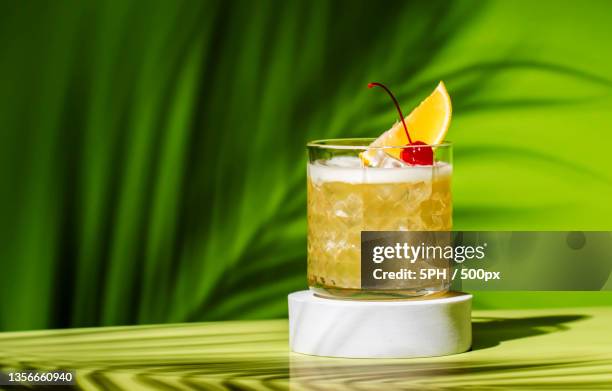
<point>548,349</point>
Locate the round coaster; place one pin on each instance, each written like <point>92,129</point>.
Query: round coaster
<point>384,329</point>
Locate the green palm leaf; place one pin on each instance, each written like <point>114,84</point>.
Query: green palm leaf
<point>153,152</point>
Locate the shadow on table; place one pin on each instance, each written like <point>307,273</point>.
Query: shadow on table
<point>489,332</point>
<point>320,373</point>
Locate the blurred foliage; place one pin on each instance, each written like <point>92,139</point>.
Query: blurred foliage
<point>153,152</point>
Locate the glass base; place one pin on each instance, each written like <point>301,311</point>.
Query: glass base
<point>373,294</point>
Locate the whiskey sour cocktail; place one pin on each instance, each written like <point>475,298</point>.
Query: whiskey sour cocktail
<point>400,181</point>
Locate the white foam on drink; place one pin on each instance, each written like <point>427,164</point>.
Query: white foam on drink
<point>348,169</point>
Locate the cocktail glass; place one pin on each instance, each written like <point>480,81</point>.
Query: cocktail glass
<point>346,198</point>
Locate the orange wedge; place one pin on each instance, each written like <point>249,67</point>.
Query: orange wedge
<point>427,123</point>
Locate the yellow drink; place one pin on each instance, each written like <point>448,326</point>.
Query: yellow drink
<point>345,199</point>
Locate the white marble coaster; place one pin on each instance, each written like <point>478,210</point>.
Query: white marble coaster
<point>385,329</point>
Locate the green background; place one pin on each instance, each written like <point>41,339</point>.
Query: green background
<point>152,152</point>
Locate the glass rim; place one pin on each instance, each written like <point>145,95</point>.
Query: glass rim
<point>339,143</point>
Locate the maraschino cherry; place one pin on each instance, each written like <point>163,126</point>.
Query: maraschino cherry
<point>419,153</point>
